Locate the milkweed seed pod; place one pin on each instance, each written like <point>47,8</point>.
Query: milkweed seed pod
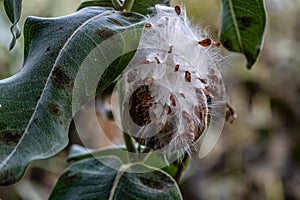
<point>169,91</point>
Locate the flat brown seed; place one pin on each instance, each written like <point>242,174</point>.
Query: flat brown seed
<point>172,99</point>
<point>148,25</point>
<point>216,44</point>
<point>205,43</point>
<point>187,76</point>
<point>170,110</point>
<point>146,62</point>
<point>170,49</point>
<point>157,60</point>
<point>178,10</point>
<point>204,81</point>
<point>176,68</point>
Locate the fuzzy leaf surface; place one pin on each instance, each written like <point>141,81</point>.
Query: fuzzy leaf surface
<point>139,6</point>
<point>36,103</point>
<point>242,27</point>
<point>108,178</point>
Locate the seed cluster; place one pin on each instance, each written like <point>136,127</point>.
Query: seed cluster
<point>170,91</point>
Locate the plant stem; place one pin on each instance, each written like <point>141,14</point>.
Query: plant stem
<point>127,5</point>
<point>116,4</point>
<point>129,143</point>
<point>182,166</point>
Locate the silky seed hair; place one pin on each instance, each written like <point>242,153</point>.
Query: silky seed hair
<point>172,84</point>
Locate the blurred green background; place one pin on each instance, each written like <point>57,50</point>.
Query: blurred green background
<point>257,157</point>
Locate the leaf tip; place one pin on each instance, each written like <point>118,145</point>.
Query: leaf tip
<point>16,33</point>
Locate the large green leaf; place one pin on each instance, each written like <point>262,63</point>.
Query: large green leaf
<point>108,178</point>
<point>36,103</point>
<point>13,11</point>
<point>139,6</point>
<point>242,27</point>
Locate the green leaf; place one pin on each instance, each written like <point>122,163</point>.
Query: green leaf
<point>139,6</point>
<point>36,103</point>
<point>152,159</point>
<point>107,178</point>
<point>13,11</point>
<point>78,152</point>
<point>101,3</point>
<point>242,27</point>
<point>142,6</point>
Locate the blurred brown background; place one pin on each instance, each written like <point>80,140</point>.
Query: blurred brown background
<point>257,157</point>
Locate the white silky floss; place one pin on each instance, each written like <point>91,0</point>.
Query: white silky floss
<point>171,83</point>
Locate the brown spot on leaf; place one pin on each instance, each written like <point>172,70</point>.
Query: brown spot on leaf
<point>104,32</point>
<point>60,79</point>
<point>228,43</point>
<point>245,22</point>
<point>54,109</point>
<point>36,121</point>
<point>2,126</point>
<point>114,21</point>
<point>150,182</point>
<point>10,137</point>
<point>127,14</point>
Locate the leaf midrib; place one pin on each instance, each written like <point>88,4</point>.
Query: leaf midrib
<point>117,180</point>
<point>236,25</point>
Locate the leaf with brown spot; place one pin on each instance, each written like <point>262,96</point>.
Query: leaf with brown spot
<point>105,182</point>
<point>36,103</point>
<point>242,28</point>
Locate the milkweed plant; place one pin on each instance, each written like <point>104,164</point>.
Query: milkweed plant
<point>164,76</point>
